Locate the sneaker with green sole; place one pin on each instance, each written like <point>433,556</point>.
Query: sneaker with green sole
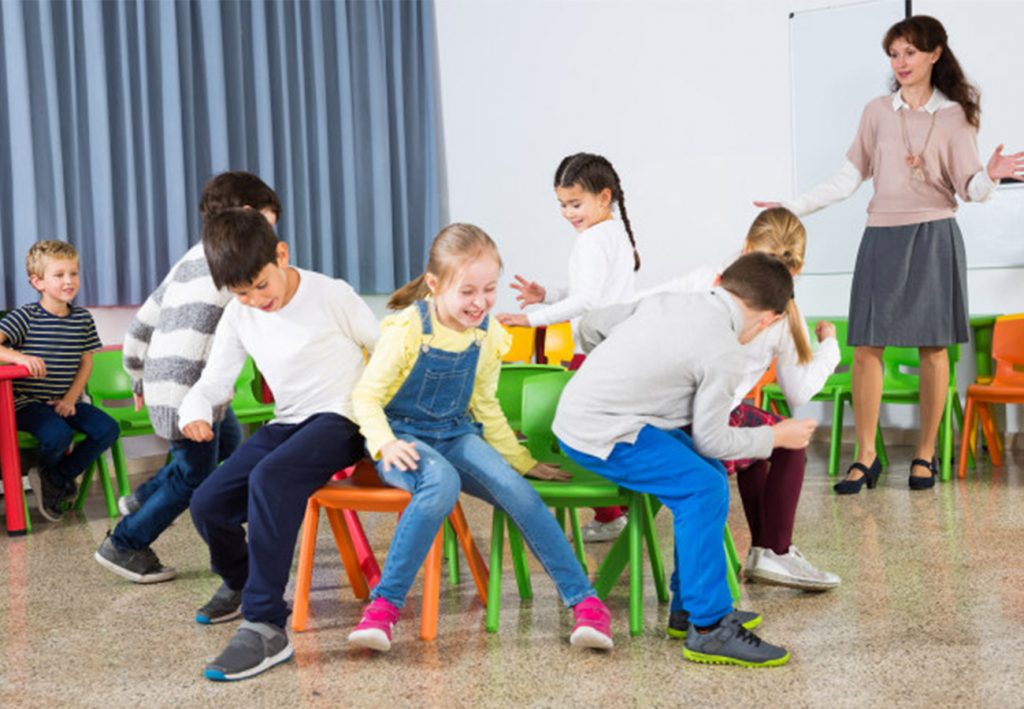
<point>731,644</point>
<point>679,622</point>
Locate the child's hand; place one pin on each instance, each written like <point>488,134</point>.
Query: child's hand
<point>793,433</point>
<point>35,365</point>
<point>63,407</point>
<point>545,471</point>
<point>824,330</point>
<point>766,205</point>
<point>530,292</point>
<point>513,320</point>
<point>198,431</point>
<point>138,402</point>
<point>399,454</point>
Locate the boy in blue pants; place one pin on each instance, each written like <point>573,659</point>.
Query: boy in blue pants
<point>306,333</point>
<point>666,362</point>
<point>165,350</point>
<point>55,340</point>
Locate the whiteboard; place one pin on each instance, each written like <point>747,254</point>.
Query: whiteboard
<point>838,65</point>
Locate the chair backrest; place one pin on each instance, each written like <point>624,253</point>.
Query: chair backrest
<point>510,387</point>
<point>523,339</point>
<point>108,381</point>
<point>245,385</point>
<point>901,365</point>
<point>558,345</point>
<point>767,378</point>
<point>1008,350</point>
<point>540,400</point>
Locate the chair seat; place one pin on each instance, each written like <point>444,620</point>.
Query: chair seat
<point>996,394</point>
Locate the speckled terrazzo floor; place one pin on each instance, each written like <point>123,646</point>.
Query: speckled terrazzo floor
<point>930,613</point>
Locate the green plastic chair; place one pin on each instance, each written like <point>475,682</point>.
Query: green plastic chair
<point>539,400</point>
<point>26,441</point>
<point>510,388</point>
<point>246,404</point>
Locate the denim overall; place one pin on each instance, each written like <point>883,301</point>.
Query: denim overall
<point>431,409</point>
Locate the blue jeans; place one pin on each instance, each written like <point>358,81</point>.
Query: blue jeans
<point>696,491</point>
<point>55,432</point>
<point>470,464</point>
<point>168,493</point>
<point>266,484</point>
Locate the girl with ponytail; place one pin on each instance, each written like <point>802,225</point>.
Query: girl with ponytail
<point>604,256</point>
<point>770,489</point>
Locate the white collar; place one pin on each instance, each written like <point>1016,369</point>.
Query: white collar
<point>938,100</point>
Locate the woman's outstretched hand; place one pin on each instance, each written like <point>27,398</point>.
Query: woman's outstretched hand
<point>766,205</point>
<point>1005,166</point>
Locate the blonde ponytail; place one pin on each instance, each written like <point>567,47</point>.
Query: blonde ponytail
<point>798,328</point>
<point>414,290</point>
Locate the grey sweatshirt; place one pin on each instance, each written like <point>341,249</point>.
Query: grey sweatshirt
<point>666,361</point>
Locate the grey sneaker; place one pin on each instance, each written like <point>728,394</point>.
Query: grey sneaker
<point>138,565</point>
<point>225,605</point>
<point>49,495</point>
<point>790,569</point>
<point>594,531</point>
<point>679,622</point>
<point>128,504</point>
<point>255,648</point>
<point>731,644</point>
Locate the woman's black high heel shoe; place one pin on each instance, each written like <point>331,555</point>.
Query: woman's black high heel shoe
<point>921,482</point>
<point>870,477</point>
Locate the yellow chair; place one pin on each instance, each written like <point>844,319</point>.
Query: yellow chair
<point>523,339</point>
<point>558,345</point>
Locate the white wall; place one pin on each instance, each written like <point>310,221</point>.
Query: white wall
<point>689,100</point>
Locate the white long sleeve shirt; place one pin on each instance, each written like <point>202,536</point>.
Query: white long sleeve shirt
<point>799,382</point>
<point>600,274</point>
<point>310,352</point>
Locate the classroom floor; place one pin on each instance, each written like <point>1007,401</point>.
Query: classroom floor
<point>930,613</point>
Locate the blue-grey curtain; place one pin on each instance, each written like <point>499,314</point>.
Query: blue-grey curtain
<point>113,114</point>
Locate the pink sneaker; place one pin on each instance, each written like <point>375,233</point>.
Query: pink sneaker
<point>374,630</point>
<point>593,625</point>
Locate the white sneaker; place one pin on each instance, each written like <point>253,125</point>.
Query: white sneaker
<point>752,556</point>
<point>790,569</point>
<point>595,531</point>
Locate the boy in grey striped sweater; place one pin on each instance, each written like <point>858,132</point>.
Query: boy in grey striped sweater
<point>165,350</point>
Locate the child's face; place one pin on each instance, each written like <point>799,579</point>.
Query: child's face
<point>584,209</point>
<point>59,282</point>
<point>467,299</point>
<point>271,290</point>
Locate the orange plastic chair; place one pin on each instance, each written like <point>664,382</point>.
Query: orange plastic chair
<point>1005,387</point>
<point>768,377</point>
<point>523,339</point>
<point>364,492</point>
<point>558,345</point>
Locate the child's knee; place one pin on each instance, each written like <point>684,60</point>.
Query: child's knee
<point>107,432</point>
<point>55,442</point>
<point>439,486</point>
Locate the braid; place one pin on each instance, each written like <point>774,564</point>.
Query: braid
<point>621,198</point>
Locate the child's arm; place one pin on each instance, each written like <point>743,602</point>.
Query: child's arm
<point>712,404</point>
<point>697,280</point>
<point>355,318</point>
<point>586,295</point>
<point>65,406</point>
<point>216,385</point>
<point>13,329</point>
<point>800,382</point>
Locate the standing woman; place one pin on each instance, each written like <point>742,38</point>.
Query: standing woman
<point>919,147</point>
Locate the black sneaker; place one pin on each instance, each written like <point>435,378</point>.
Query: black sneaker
<point>138,565</point>
<point>679,622</point>
<point>225,605</point>
<point>49,494</point>
<point>255,648</point>
<point>732,644</point>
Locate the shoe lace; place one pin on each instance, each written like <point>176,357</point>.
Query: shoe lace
<point>744,635</point>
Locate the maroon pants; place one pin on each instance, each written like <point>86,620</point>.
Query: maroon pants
<point>769,489</point>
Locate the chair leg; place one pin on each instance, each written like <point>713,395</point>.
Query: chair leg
<point>611,568</point>
<point>120,468</point>
<point>367,561</point>
<point>304,573</point>
<point>577,538</point>
<point>560,516</point>
<point>451,554</point>
<point>432,588</point>
<point>990,433</point>
<point>732,564</point>
<point>947,437</point>
<point>958,413</point>
<point>654,549</point>
<point>108,488</point>
<point>474,560</point>
<point>347,551</point>
<point>28,519</point>
<point>635,527</point>
<point>966,431</point>
<point>836,440</point>
<point>84,487</point>
<point>519,563</point>
<point>494,587</point>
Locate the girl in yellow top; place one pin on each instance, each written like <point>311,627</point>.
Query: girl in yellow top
<point>428,408</point>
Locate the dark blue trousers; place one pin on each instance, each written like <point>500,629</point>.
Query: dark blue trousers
<point>55,432</point>
<point>266,482</point>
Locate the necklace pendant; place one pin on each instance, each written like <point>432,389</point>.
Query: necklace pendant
<point>914,161</point>
<point>919,174</point>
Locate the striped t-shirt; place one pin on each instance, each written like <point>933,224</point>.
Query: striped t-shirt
<point>58,341</point>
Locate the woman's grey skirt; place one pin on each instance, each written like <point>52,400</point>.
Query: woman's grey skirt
<point>910,287</point>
